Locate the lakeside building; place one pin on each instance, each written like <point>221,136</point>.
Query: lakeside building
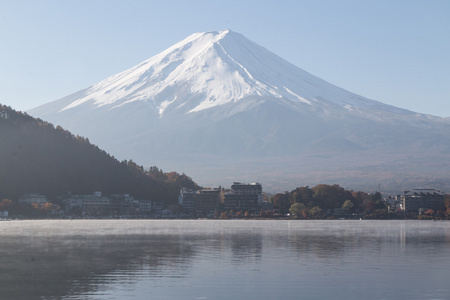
<point>33,199</point>
<point>157,206</point>
<point>423,199</point>
<point>123,204</point>
<point>394,203</point>
<point>243,197</point>
<point>113,205</point>
<point>201,202</point>
<point>208,200</point>
<point>145,206</point>
<point>94,204</point>
<point>187,200</point>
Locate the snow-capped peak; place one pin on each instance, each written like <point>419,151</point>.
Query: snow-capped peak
<point>210,69</point>
<point>205,70</point>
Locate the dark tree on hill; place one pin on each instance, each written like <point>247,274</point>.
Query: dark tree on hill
<point>281,201</point>
<point>323,196</point>
<point>330,196</point>
<point>303,195</point>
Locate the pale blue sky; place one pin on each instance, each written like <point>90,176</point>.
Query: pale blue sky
<point>396,52</point>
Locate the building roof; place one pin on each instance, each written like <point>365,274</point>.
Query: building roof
<point>423,192</point>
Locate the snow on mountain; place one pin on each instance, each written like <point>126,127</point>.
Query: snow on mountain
<point>217,98</point>
<point>220,67</point>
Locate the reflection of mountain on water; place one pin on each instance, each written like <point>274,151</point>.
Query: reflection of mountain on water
<point>246,247</point>
<point>188,259</point>
<point>33,268</point>
<point>327,240</point>
<point>47,263</point>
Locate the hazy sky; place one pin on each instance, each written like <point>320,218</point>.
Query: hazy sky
<point>396,52</point>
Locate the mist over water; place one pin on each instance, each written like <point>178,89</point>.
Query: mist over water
<point>205,259</point>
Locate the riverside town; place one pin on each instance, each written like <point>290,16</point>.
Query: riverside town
<point>242,200</point>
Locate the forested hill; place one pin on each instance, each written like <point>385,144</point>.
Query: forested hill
<point>37,157</point>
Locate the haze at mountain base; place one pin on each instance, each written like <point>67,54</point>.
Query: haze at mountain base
<point>222,108</point>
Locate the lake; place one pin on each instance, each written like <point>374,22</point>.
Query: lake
<point>229,259</point>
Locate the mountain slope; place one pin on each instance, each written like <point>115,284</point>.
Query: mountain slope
<point>207,70</point>
<point>37,157</point>
<point>220,106</point>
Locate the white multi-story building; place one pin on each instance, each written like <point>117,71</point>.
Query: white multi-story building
<point>145,206</point>
<point>88,204</point>
<point>33,198</point>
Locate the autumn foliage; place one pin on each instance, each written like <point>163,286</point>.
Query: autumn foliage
<point>306,202</point>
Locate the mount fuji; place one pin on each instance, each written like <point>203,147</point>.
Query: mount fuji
<point>222,108</point>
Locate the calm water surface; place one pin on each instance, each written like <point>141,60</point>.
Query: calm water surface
<point>208,259</point>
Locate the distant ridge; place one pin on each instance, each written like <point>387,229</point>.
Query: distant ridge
<point>221,107</point>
